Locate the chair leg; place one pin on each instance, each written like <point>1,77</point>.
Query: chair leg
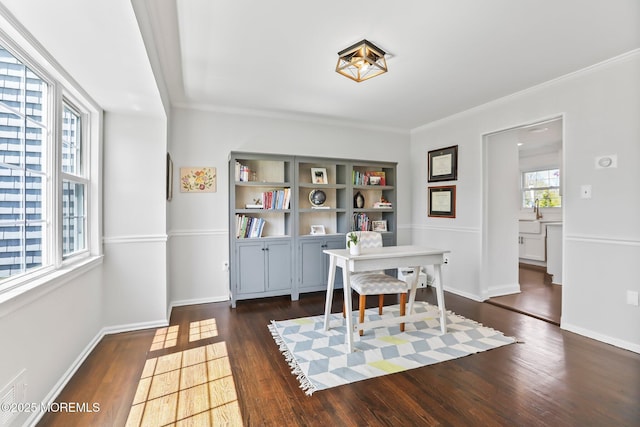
<point>403,302</point>
<point>380,303</point>
<point>363,300</point>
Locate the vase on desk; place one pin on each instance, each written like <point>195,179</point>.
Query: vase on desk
<point>354,249</point>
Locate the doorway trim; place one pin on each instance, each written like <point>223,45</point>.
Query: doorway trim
<point>488,264</point>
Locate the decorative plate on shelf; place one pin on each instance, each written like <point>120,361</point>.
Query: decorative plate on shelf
<point>317,197</point>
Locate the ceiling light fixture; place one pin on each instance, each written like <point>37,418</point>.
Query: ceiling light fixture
<point>361,61</point>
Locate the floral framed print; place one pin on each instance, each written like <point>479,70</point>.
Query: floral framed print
<point>198,180</point>
<point>443,164</point>
<point>442,201</point>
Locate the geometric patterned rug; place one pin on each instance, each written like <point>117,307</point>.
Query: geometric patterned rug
<point>319,360</point>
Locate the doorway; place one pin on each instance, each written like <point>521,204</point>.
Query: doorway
<point>519,279</point>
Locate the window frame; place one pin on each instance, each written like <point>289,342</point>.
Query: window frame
<point>62,89</point>
<point>524,189</point>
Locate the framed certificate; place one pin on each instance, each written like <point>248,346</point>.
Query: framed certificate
<point>442,201</point>
<point>443,164</point>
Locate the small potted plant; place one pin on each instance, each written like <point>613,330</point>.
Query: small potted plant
<point>353,240</point>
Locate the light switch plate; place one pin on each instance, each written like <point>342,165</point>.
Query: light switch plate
<point>632,298</point>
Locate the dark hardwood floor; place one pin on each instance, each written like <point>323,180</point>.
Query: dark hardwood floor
<point>537,297</point>
<point>552,378</point>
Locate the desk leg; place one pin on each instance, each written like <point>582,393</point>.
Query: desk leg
<point>414,287</point>
<point>440,296</point>
<point>346,278</point>
<point>330,284</point>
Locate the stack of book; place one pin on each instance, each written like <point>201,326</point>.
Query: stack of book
<point>248,227</point>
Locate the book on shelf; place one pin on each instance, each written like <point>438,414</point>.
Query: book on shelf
<point>320,207</point>
<point>248,227</point>
<point>242,172</point>
<point>360,222</point>
<point>369,178</point>
<point>276,199</point>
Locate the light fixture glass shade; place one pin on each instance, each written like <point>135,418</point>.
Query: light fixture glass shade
<point>361,61</point>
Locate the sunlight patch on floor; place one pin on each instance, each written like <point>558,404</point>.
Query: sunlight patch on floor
<point>203,329</point>
<point>165,338</point>
<point>191,387</point>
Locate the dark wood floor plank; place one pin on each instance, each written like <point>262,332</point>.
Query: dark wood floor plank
<point>553,378</point>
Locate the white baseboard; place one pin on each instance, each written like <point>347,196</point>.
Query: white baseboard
<point>134,327</point>
<point>497,291</point>
<point>599,337</point>
<point>463,294</point>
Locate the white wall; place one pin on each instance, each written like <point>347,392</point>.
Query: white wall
<point>135,243</point>
<point>47,331</point>
<point>601,106</point>
<point>199,222</point>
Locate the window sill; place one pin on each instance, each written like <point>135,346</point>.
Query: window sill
<point>30,291</point>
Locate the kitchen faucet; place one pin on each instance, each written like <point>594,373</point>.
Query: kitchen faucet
<point>536,209</point>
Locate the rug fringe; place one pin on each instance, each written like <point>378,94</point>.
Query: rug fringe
<point>305,384</point>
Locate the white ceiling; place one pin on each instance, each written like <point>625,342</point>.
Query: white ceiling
<point>279,56</point>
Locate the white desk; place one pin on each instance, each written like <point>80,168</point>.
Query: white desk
<point>383,258</point>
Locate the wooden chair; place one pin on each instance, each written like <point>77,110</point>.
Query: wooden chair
<point>376,282</point>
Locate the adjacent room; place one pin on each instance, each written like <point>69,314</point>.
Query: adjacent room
<point>188,187</point>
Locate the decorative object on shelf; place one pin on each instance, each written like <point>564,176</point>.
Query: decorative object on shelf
<point>361,61</point>
<point>358,200</point>
<point>317,229</point>
<point>353,243</point>
<point>319,176</point>
<point>443,164</point>
<point>379,225</point>
<point>198,180</point>
<point>442,201</point>
<point>375,178</point>
<point>169,178</point>
<point>317,198</point>
<point>257,204</point>
<point>383,204</point>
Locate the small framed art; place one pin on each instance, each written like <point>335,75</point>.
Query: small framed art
<point>442,201</point>
<point>379,225</point>
<point>443,164</point>
<point>317,229</point>
<point>198,180</point>
<point>319,176</point>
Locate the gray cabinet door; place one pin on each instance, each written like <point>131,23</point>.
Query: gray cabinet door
<point>278,265</point>
<point>251,266</point>
<point>313,265</point>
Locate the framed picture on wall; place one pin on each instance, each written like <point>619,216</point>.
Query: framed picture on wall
<point>442,201</point>
<point>443,164</point>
